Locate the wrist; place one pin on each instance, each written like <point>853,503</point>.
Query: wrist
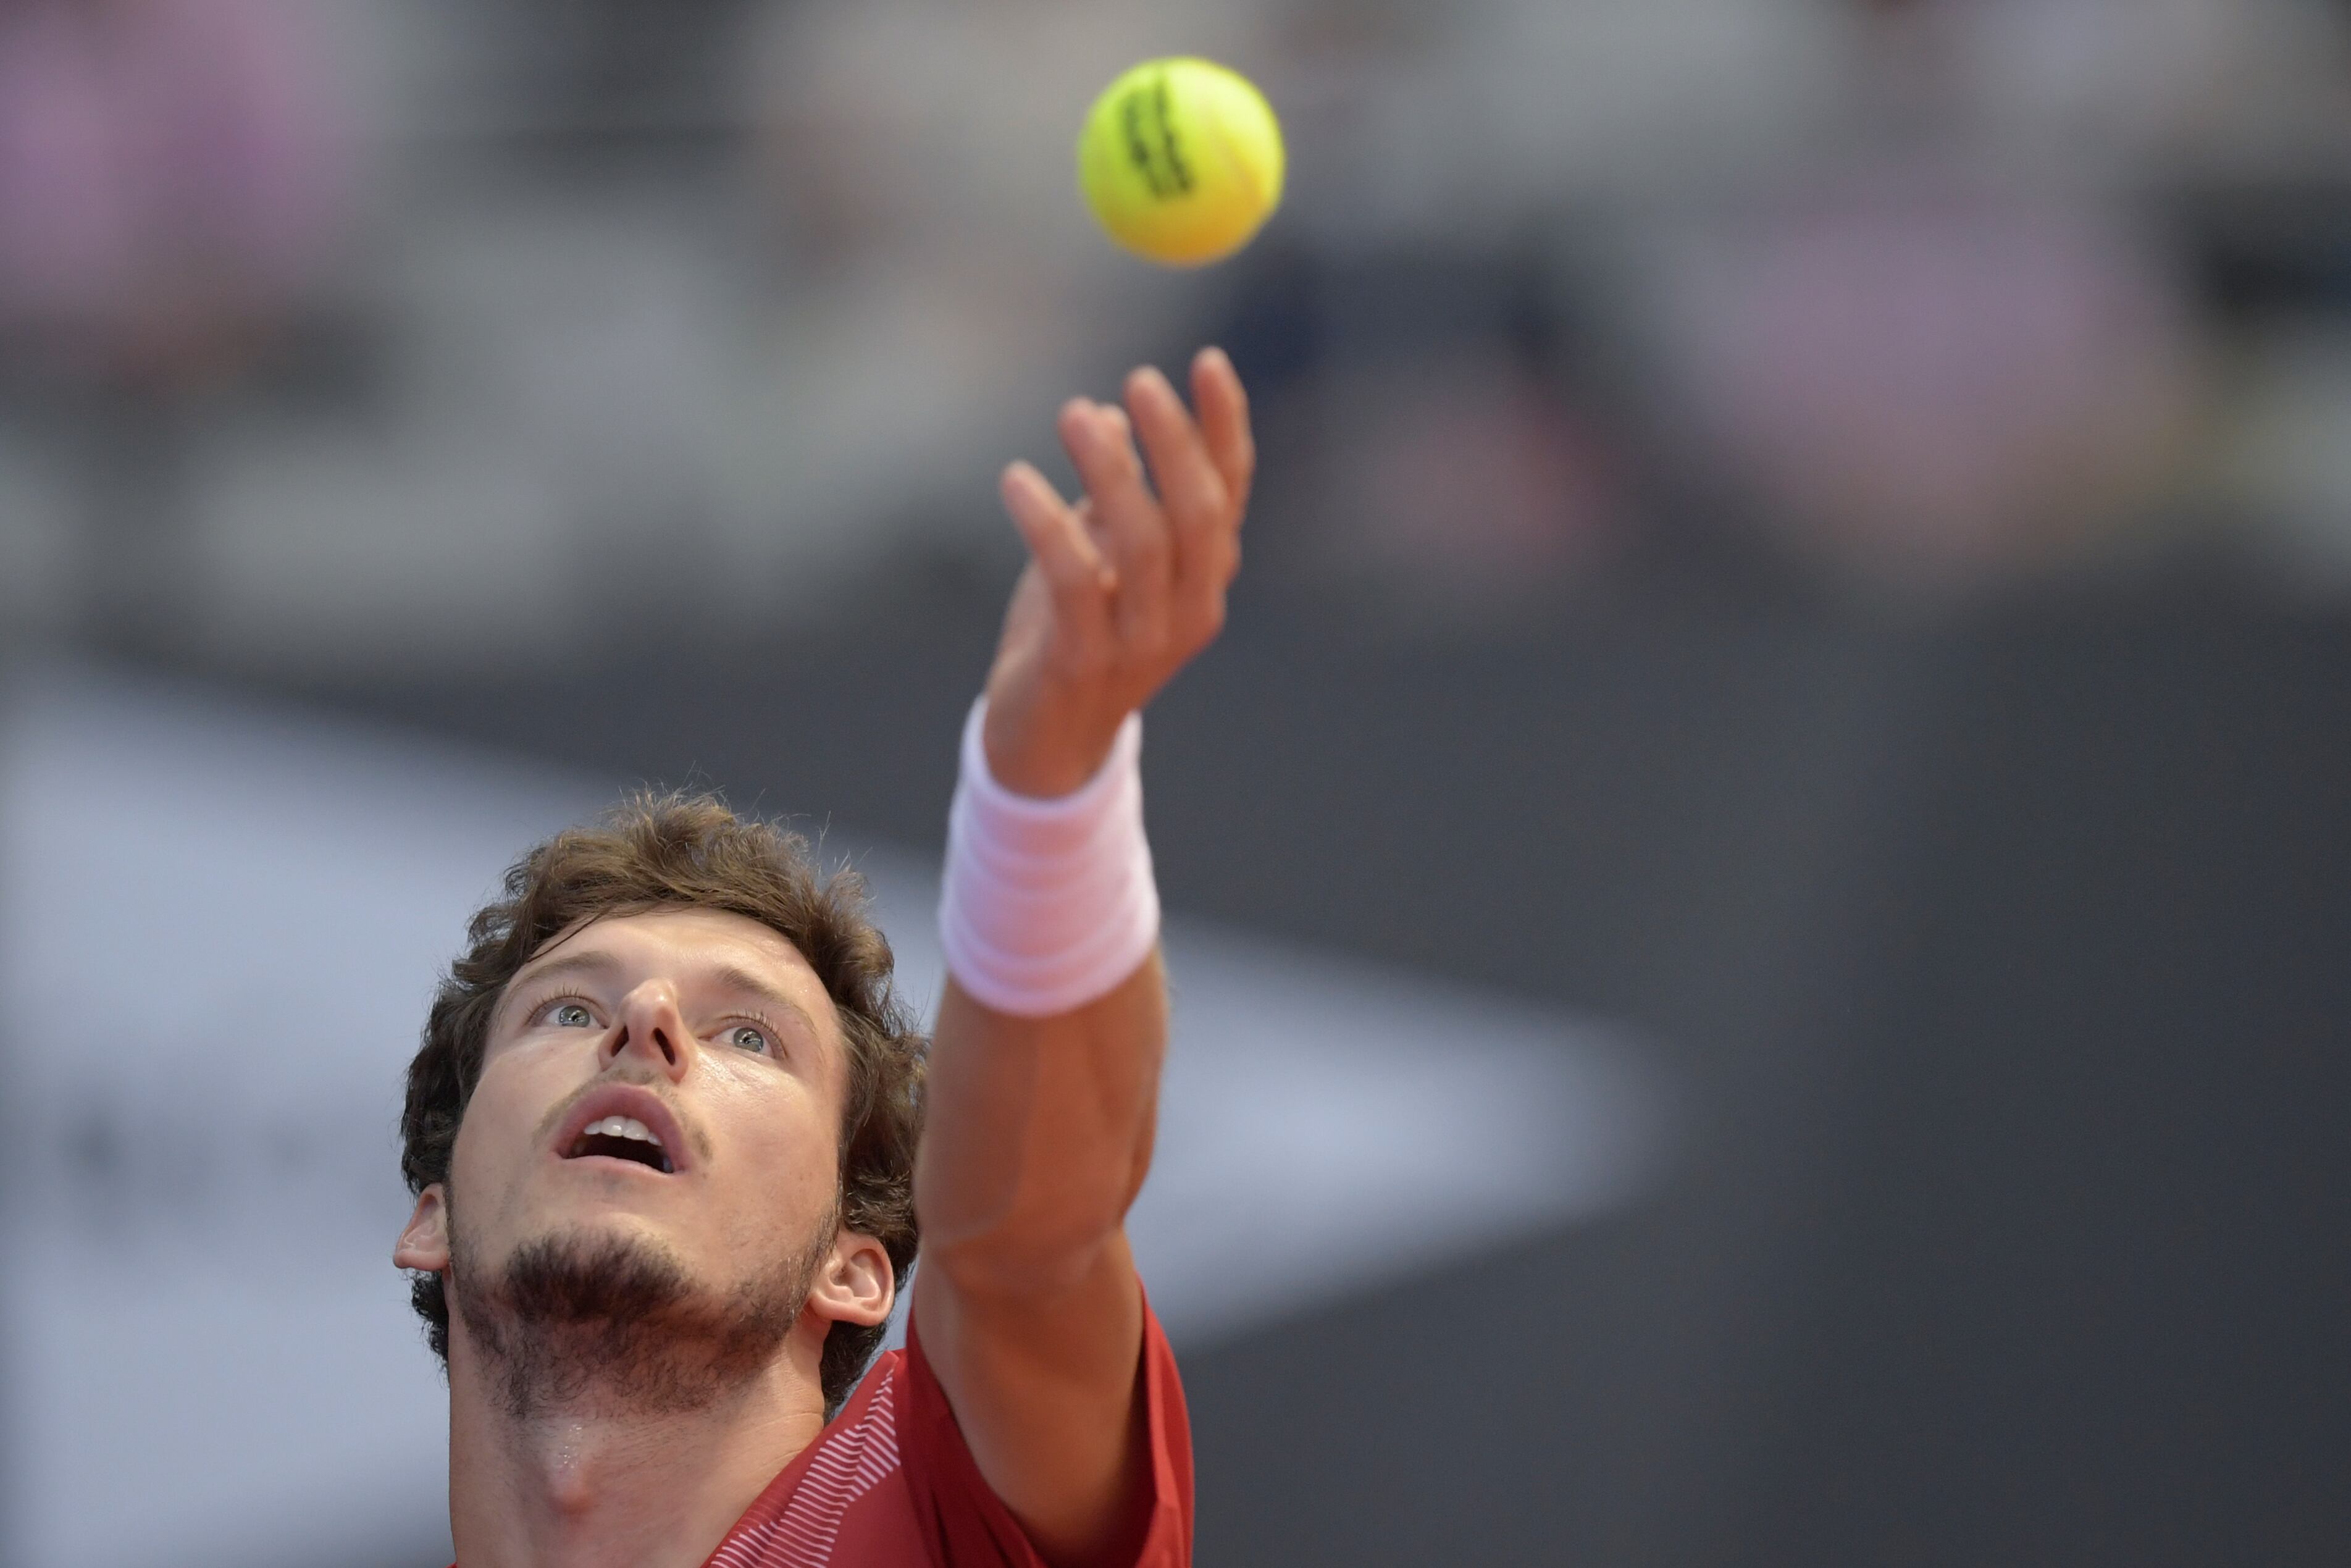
<point>1047,904</point>
<point>1044,749</point>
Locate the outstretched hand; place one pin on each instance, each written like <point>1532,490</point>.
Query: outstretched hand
<point>1125,586</point>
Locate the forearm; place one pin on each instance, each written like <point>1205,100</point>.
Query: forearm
<point>1039,1133</point>
<point>1040,1112</point>
<point>1045,1061</point>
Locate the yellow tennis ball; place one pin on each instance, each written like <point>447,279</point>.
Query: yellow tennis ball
<point>1181,160</point>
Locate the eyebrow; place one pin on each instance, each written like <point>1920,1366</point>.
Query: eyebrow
<point>590,963</point>
<point>733,978</point>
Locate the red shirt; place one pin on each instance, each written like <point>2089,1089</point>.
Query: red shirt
<point>890,1484</point>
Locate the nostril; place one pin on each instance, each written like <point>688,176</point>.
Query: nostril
<point>622,1037</point>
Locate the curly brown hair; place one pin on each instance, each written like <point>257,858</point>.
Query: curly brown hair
<point>681,850</point>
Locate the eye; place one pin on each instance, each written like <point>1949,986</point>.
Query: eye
<point>571,1015</point>
<point>749,1037</point>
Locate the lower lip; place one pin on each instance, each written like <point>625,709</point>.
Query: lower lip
<point>609,1163</point>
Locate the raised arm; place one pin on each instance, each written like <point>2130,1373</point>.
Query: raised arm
<point>1040,1124</point>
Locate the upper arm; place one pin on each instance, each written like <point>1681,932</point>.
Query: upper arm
<point>1031,1316</point>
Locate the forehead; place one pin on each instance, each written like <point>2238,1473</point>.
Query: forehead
<point>695,949</point>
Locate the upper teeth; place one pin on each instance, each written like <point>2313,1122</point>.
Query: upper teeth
<point>623,1127</point>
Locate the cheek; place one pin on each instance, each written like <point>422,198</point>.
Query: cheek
<point>494,1138</point>
<point>787,1156</point>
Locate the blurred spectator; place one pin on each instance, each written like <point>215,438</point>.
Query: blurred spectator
<point>1929,385</point>
<point>1961,356</point>
<point>2084,79</point>
<point>1466,483</point>
<point>169,173</point>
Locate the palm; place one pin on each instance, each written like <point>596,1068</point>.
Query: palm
<point>1125,587</point>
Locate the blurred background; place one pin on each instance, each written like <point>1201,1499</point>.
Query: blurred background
<point>1762,878</point>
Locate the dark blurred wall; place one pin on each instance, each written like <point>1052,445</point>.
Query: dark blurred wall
<point>2075,1289</point>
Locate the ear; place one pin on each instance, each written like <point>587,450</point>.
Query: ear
<point>423,1245</point>
<point>855,1283</point>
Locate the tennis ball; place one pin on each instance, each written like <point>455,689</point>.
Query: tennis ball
<point>1181,160</point>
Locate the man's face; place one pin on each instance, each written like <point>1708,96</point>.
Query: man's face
<point>664,1086</point>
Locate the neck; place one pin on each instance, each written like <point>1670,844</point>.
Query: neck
<point>591,1483</point>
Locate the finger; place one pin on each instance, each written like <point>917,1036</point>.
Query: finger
<point>1127,520</point>
<point>1080,581</point>
<point>1192,493</point>
<point>1223,402</point>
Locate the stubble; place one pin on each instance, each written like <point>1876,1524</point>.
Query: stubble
<point>616,1324</point>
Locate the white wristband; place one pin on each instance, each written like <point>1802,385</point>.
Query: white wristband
<point>1046,905</point>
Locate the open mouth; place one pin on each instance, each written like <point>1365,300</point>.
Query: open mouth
<point>620,1138</point>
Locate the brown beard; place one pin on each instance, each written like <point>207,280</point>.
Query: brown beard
<point>615,1325</point>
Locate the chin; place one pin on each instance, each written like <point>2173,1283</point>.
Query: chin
<point>600,1235</point>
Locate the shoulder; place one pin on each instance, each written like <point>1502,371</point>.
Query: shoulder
<point>965,1523</point>
<point>889,1483</point>
<point>843,1502</point>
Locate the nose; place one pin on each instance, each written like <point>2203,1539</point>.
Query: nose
<point>651,1030</point>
